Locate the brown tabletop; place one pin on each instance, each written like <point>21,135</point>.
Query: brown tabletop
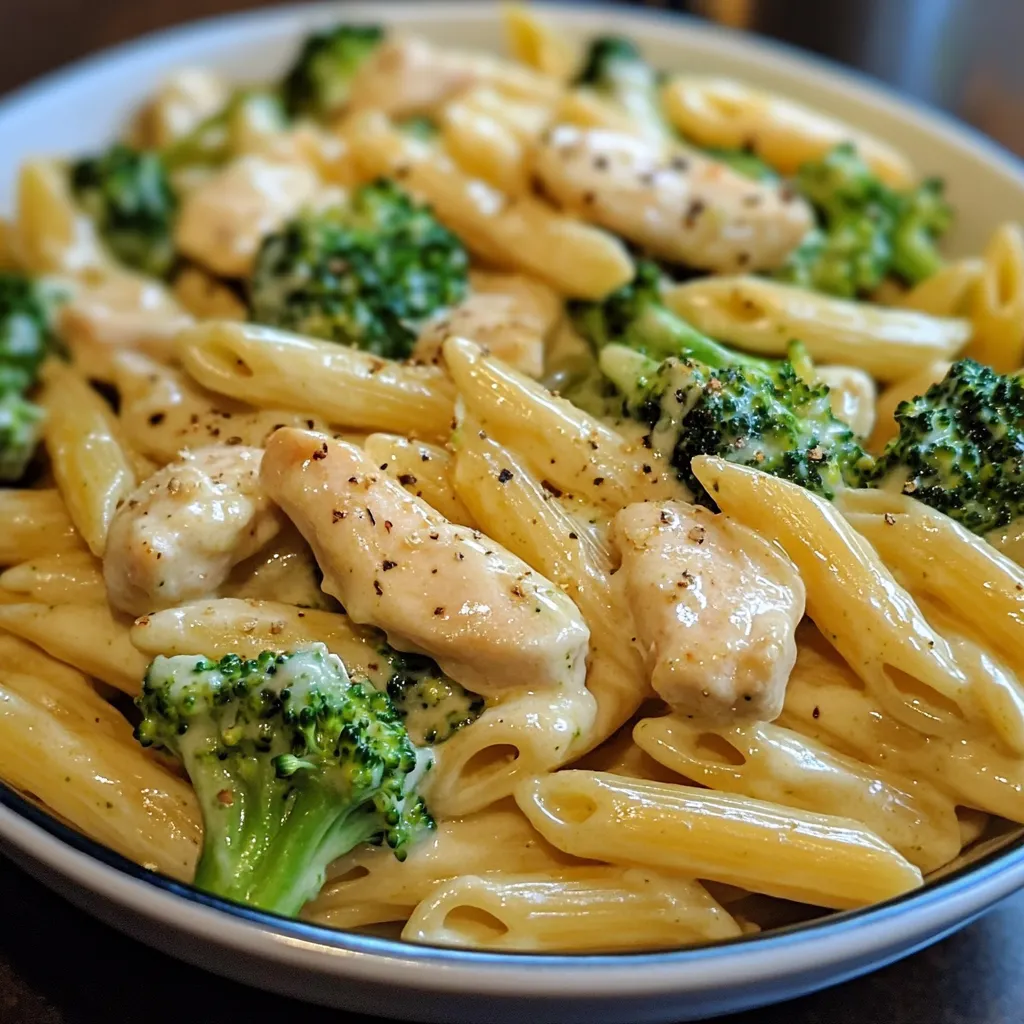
<point>58,966</point>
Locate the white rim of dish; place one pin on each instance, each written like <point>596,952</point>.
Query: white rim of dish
<point>848,941</point>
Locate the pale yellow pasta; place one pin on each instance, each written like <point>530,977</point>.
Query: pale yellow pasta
<point>851,596</point>
<point>537,43</point>
<point>519,234</point>
<point>51,235</point>
<point>948,291</point>
<point>724,113</point>
<point>564,445</point>
<point>972,825</point>
<point>33,661</point>
<point>620,755</point>
<point>781,766</point>
<point>103,784</point>
<point>345,387</point>
<point>180,104</point>
<point>852,395</point>
<point>422,469</point>
<point>68,577</point>
<point>584,108</point>
<point>814,858</point>
<point>485,148</point>
<point>593,910</point>
<point>765,316</point>
<point>87,636</point>
<point>93,469</point>
<point>35,524</point>
<point>901,391</point>
<point>525,119</point>
<point>997,302</point>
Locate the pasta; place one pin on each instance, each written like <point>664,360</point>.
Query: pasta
<point>416,515</point>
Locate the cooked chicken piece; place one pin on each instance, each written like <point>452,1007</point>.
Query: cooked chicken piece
<point>678,206</point>
<point>179,535</point>
<point>224,219</point>
<point>434,587</point>
<point>510,315</point>
<point>715,606</point>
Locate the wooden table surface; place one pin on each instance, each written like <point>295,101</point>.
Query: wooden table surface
<point>58,966</point>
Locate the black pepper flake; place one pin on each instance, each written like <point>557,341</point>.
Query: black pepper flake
<point>551,489</point>
<point>378,588</point>
<point>406,479</point>
<point>194,418</point>
<point>646,468</point>
<point>664,517</point>
<point>504,476</point>
<point>388,524</point>
<point>439,610</point>
<point>373,522</point>
<point>387,565</point>
<point>424,457</point>
<point>337,515</point>
<point>433,535</point>
<point>353,479</point>
<point>646,441</point>
<point>600,163</point>
<point>679,163</point>
<point>157,418</point>
<point>234,439</point>
<point>321,453</point>
<point>889,518</point>
<point>589,198</point>
<point>693,212</point>
<point>384,467</point>
<point>598,480</point>
<point>816,713</point>
<point>573,536</point>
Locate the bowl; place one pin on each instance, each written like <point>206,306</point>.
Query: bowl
<point>77,109</point>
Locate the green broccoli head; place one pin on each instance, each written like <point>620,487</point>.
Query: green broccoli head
<point>608,60</point>
<point>319,81</point>
<point>21,428</point>
<point>26,314</point>
<point>432,706</point>
<point>293,766</point>
<point>923,216</point>
<point>960,448</point>
<point>367,274</point>
<point>127,194</point>
<point>851,259</point>
<point>840,182</point>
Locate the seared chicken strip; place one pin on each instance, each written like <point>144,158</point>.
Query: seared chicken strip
<point>178,536</point>
<point>682,207</point>
<point>716,608</point>
<point>489,621</point>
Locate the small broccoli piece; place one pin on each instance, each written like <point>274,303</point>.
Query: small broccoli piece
<point>960,448</point>
<point>923,217</point>
<point>127,194</point>
<point>701,398</point>
<point>744,162</point>
<point>319,81</point>
<point>849,260</point>
<point>293,766</point>
<point>26,310</point>
<point>365,274</point>
<point>432,706</point>
<point>21,427</point>
<point>421,128</point>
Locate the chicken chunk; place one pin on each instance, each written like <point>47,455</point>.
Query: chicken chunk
<point>178,536</point>
<point>223,220</point>
<point>716,609</point>
<point>678,206</point>
<point>434,587</point>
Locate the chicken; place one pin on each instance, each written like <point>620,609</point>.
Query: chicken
<point>681,207</point>
<point>490,621</point>
<point>716,609</point>
<point>178,536</point>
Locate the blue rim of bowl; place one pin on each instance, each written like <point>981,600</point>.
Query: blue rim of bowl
<point>961,880</point>
<point>828,924</point>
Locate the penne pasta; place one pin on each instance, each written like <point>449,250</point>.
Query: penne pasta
<point>765,316</point>
<point>485,149</point>
<point>35,524</point>
<point>343,386</point>
<point>902,390</point>
<point>537,44</point>
<point>602,909</point>
<point>799,855</point>
<point>997,302</point>
<point>93,470</point>
<point>948,292</point>
<point>69,577</point>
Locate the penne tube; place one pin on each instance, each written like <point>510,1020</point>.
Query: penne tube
<point>581,910</point>
<point>485,149</point>
<point>369,885</point>
<point>524,118</point>
<point>997,302</point>
<point>86,636</point>
<point>764,316</point>
<point>778,765</point>
<point>345,387</point>
<point>105,786</point>
<point>620,755</point>
<point>36,525</point>
<point>537,43</point>
<point>518,234</point>
<point>70,577</point>
<point>93,470</point>
<point>851,596</point>
<point>947,292</point>
<point>796,855</point>
<point>564,445</point>
<point>422,469</point>
<point>723,113</point>
<point>899,391</point>
<point>35,662</point>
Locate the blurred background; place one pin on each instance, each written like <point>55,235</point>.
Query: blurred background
<point>966,56</point>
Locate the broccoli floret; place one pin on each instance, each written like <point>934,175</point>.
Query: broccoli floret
<point>26,311</point>
<point>21,427</point>
<point>367,274</point>
<point>960,448</point>
<point>868,230</point>
<point>127,194</point>
<point>319,81</point>
<point>699,397</point>
<point>744,162</point>
<point>432,706</point>
<point>214,141</point>
<point>293,766</point>
<point>421,128</point>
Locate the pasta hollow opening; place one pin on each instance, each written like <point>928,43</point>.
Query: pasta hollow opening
<point>570,808</point>
<point>354,874</point>
<point>477,925</point>
<point>921,695</point>
<point>490,760</point>
<point>718,750</point>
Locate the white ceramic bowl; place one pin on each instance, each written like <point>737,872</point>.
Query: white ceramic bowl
<point>78,109</point>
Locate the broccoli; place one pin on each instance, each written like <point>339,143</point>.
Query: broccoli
<point>21,427</point>
<point>960,448</point>
<point>745,162</point>
<point>367,274</point>
<point>293,766</point>
<point>319,81</point>
<point>701,398</point>
<point>868,230</point>
<point>127,194</point>
<point>421,128</point>
<point>432,706</point>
